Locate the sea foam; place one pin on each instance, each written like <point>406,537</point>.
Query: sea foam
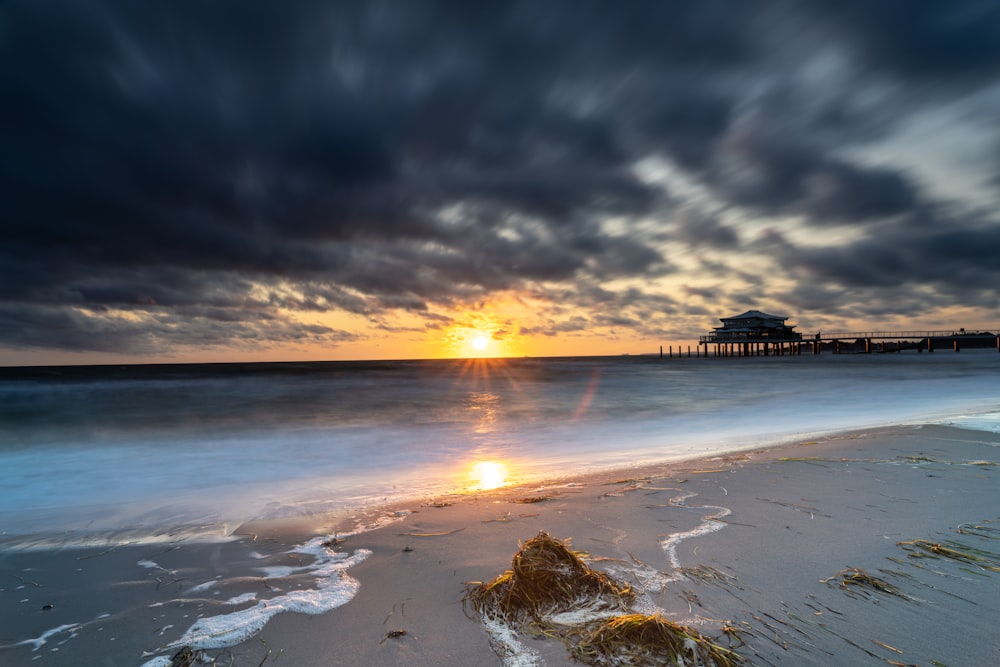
<point>333,588</point>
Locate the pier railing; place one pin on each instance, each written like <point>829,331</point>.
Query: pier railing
<point>744,338</point>
<point>903,335</point>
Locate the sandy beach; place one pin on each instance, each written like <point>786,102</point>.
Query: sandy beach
<point>866,548</point>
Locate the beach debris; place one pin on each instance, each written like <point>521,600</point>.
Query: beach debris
<point>954,551</point>
<point>394,634</point>
<point>640,639</point>
<point>735,633</point>
<point>637,484</point>
<point>627,485</point>
<point>27,582</point>
<point>550,591</point>
<point>186,657</point>
<point>917,459</point>
<point>853,579</point>
<point>979,530</point>
<point>441,534</point>
<point>807,509</point>
<point>631,481</point>
<point>891,648</point>
<point>533,499</point>
<point>709,574</point>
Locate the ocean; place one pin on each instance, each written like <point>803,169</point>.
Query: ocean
<point>147,450</point>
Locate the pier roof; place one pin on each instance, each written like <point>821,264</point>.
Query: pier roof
<point>754,314</point>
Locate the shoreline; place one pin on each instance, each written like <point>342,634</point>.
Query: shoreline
<point>744,539</point>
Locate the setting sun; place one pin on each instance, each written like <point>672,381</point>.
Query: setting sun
<point>480,343</point>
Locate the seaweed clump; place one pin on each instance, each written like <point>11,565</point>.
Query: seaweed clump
<point>548,579</point>
<point>640,639</point>
<point>854,578</point>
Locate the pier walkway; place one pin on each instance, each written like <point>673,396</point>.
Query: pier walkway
<point>737,344</point>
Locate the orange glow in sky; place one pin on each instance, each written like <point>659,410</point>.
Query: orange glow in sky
<point>483,332</point>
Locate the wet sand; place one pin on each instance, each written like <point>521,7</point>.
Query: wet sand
<point>760,543</point>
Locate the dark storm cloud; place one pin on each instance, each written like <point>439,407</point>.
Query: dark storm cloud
<point>202,163</point>
<point>925,40</point>
<point>948,260</point>
<point>774,177</point>
<point>702,231</point>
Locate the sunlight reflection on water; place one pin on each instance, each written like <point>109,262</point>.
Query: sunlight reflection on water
<point>488,475</point>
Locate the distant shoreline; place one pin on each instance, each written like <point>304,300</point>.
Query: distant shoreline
<point>140,370</point>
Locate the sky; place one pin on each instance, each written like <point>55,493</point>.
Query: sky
<point>236,181</point>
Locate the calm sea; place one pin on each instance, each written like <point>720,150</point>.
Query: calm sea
<point>159,447</point>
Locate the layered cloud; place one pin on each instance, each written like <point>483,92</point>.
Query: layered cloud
<point>216,174</point>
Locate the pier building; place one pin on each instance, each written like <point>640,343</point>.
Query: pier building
<point>752,333</point>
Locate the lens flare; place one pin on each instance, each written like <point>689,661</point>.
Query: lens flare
<point>489,475</point>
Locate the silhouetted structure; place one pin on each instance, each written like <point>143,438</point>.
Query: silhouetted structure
<point>751,333</point>
<point>756,333</point>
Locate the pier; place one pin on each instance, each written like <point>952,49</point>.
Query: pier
<point>723,343</point>
<point>756,333</point>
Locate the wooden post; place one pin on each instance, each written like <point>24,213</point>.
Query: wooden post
<point>954,342</point>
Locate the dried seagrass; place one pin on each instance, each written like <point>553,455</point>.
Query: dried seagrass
<point>546,577</point>
<point>639,640</point>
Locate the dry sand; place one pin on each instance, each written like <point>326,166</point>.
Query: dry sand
<point>753,542</point>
